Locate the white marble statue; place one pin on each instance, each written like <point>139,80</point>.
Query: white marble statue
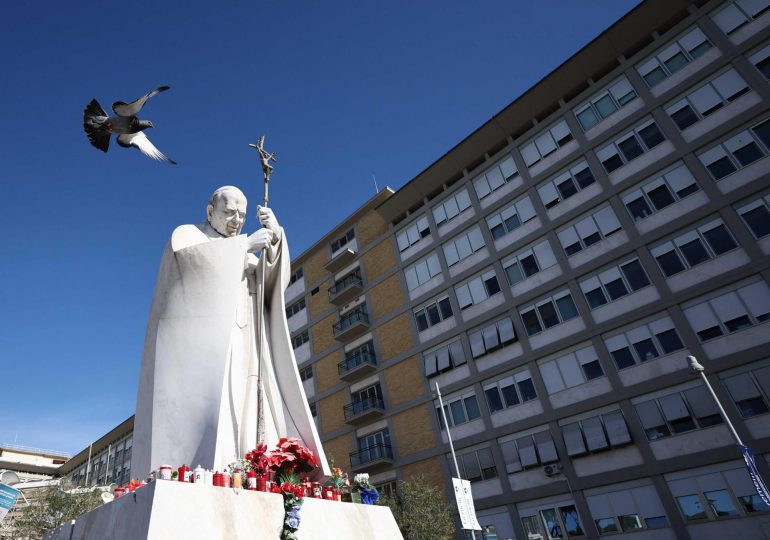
<point>195,405</point>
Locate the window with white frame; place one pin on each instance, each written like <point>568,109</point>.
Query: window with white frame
<point>738,151</point>
<point>571,369</point>
<point>548,312</point>
<point>529,262</point>
<point>491,337</point>
<point>756,215</point>
<point>596,434</point>
<point>695,246</point>
<point>305,374</point>
<point>614,283</point>
<point>296,276</point>
<point>509,391</point>
<point>476,465</point>
<point>422,271</point>
<point>463,245</point>
<point>511,217</point>
<point>459,410</point>
<point>295,308</point>
<point>707,99</point>
<point>451,207</point>
<point>413,233</point>
<point>626,509</point>
<point>588,230</point>
<point>549,522</point>
<point>546,143</point>
<point>738,13</point>
<point>643,343</point>
<point>743,307</point>
<point>604,103</point>
<point>528,451</point>
<point>433,313</point>
<point>300,339</point>
<point>342,241</point>
<point>477,289</point>
<point>750,389</point>
<point>495,177</point>
<point>661,191</point>
<point>718,491</point>
<point>444,358</point>
<point>761,60</point>
<point>674,56</point>
<point>630,145</point>
<point>566,184</point>
<point>678,412</point>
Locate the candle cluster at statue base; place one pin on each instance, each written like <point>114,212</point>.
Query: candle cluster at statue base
<point>287,470</point>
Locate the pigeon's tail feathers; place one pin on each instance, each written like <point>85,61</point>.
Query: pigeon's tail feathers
<point>94,118</point>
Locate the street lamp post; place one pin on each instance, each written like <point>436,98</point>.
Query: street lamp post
<point>696,368</point>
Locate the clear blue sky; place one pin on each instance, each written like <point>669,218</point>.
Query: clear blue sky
<point>344,91</point>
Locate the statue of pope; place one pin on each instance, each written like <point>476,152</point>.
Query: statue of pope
<point>195,405</point>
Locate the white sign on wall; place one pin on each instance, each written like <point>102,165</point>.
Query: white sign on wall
<point>465,506</point>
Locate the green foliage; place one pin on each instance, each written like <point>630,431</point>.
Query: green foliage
<point>421,510</point>
<point>52,508</point>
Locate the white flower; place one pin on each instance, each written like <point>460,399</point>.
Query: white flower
<point>361,478</point>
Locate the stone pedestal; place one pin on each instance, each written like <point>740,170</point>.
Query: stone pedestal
<point>167,510</point>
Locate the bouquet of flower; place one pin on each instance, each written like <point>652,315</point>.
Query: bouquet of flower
<point>290,456</point>
<point>369,494</point>
<point>292,504</point>
<point>243,465</point>
<point>339,478</point>
<point>289,460</point>
<point>258,459</point>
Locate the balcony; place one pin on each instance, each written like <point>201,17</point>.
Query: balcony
<point>351,325</point>
<point>373,458</point>
<point>357,365</point>
<point>340,260</point>
<point>346,289</point>
<point>365,410</point>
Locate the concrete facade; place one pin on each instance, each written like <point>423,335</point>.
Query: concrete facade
<point>543,273</point>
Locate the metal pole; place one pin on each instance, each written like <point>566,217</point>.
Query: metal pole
<point>448,434</point>
<point>107,467</point>
<point>451,444</point>
<point>88,463</point>
<point>695,367</point>
<point>721,409</point>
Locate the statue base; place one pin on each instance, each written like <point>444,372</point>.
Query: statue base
<point>168,509</point>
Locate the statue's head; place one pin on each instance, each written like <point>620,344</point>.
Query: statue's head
<point>226,211</point>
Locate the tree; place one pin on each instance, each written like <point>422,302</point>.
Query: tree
<point>421,510</point>
<point>51,508</point>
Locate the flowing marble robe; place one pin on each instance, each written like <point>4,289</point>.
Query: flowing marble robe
<point>194,405</point>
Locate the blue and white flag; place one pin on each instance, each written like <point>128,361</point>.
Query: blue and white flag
<point>751,465</point>
<point>8,496</point>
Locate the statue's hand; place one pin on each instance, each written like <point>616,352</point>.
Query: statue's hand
<point>267,219</point>
<point>260,240</point>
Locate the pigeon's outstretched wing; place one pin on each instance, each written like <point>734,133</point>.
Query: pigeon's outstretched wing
<point>130,109</point>
<point>142,143</point>
<point>93,124</point>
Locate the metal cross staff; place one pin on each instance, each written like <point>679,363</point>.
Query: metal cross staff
<point>267,169</point>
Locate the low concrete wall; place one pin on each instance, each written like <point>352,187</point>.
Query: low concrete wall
<point>166,510</point>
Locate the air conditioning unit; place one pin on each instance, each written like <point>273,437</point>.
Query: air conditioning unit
<point>553,469</point>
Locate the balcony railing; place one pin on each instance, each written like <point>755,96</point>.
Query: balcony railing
<point>359,361</point>
<point>365,408</point>
<point>351,325</point>
<point>379,453</point>
<point>346,289</point>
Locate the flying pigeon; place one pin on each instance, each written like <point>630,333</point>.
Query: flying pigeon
<point>129,129</point>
